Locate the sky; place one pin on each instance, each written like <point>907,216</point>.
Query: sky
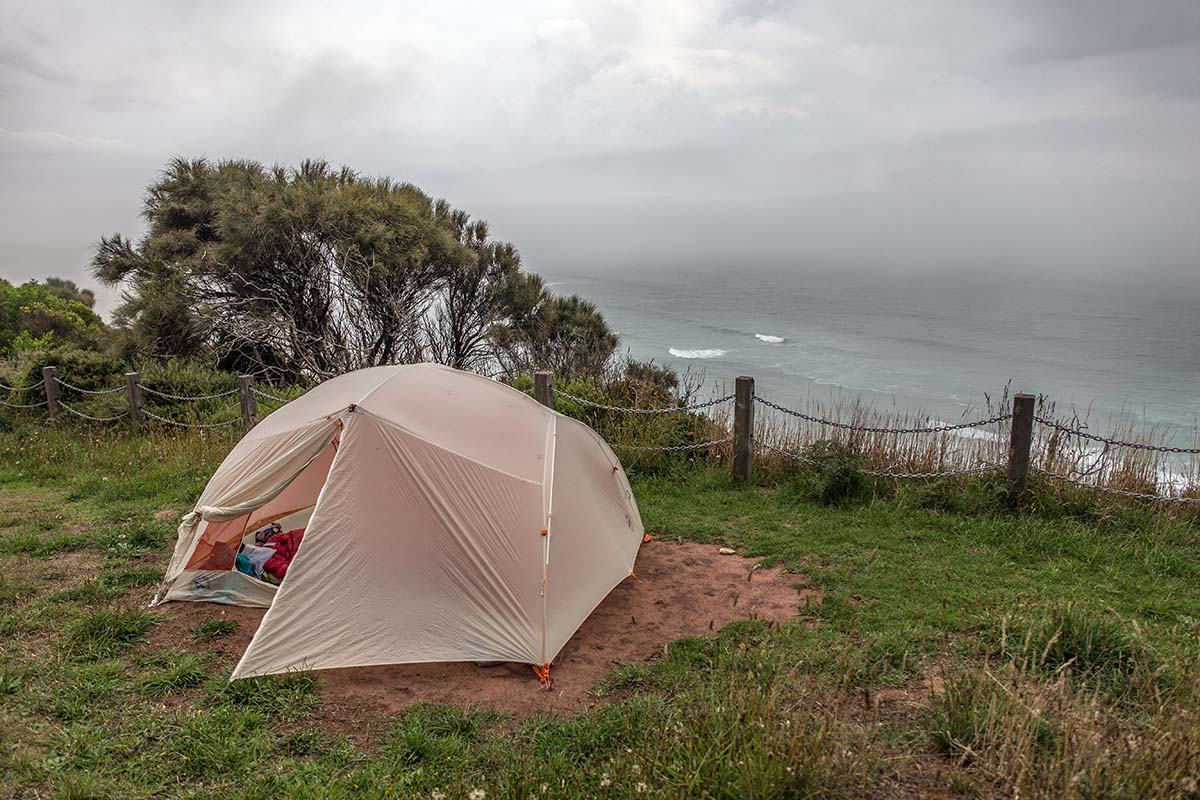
<point>1028,138</point>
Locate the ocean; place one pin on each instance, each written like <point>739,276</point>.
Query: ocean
<point>936,345</point>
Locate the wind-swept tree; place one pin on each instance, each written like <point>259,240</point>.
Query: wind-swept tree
<point>471,297</point>
<point>310,272</point>
<point>566,335</point>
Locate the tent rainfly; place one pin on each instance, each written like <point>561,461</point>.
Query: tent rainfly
<point>446,517</point>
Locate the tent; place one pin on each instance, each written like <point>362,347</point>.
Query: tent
<point>446,517</point>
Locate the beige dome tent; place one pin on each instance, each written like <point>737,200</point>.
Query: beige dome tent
<point>446,517</point>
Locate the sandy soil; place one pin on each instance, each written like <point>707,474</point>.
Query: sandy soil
<point>681,589</point>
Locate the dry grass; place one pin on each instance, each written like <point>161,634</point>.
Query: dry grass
<point>1145,471</point>
<point>1109,720</point>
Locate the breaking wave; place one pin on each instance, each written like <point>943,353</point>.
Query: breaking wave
<point>763,337</point>
<point>712,353</point>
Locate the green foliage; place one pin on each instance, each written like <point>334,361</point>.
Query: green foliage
<point>86,369</point>
<point>565,335</point>
<point>303,273</point>
<point>636,384</point>
<point>37,317</point>
<point>834,475</point>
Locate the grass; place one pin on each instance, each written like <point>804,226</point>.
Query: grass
<point>102,633</point>
<point>1062,640</point>
<point>214,628</point>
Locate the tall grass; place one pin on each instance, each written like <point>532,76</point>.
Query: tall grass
<point>1077,709</point>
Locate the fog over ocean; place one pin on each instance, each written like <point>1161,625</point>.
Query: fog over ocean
<point>931,343</point>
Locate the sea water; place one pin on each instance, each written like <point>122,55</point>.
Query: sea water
<point>936,344</point>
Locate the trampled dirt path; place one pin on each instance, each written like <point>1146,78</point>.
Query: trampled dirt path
<point>682,589</point>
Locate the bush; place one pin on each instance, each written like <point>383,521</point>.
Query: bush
<point>86,369</point>
<point>1096,649</point>
<point>835,476</point>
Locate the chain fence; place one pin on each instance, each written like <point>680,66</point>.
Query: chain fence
<point>887,472</point>
<point>93,392</point>
<point>194,425</point>
<point>652,411</point>
<point>1082,434</point>
<point>1154,498</point>
<point>267,396</point>
<point>5,387</point>
<point>891,472</point>
<point>675,448</point>
<point>867,429</point>
<point>23,405</point>
<point>186,398</point>
<point>89,417</point>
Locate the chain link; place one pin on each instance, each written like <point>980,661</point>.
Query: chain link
<point>954,473</point>
<point>677,447</point>
<point>1058,426</point>
<point>66,385</point>
<point>199,425</point>
<point>865,429</point>
<point>196,398</point>
<point>267,396</point>
<point>624,410</point>
<point>82,415</point>
<point>7,388</point>
<point>1157,498</point>
<point>23,405</point>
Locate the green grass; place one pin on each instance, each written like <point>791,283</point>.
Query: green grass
<point>213,628</point>
<point>102,633</point>
<point>1040,622</point>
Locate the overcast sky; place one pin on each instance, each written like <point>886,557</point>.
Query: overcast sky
<point>1057,138</point>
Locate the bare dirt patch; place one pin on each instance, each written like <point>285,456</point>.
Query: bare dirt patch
<point>681,589</point>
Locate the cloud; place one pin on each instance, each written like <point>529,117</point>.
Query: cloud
<point>678,131</point>
<point>25,144</point>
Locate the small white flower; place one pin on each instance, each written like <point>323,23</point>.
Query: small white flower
<point>438,795</point>
<point>476,794</point>
<point>605,781</point>
<point>640,788</point>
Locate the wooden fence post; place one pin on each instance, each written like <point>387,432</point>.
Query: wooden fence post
<point>743,429</point>
<point>249,404</point>
<point>50,381</point>
<point>1020,443</point>
<point>133,387</point>
<point>543,388</point>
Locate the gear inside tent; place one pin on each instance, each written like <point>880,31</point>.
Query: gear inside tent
<point>408,514</point>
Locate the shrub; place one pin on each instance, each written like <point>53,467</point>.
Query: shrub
<point>86,369</point>
<point>1093,648</point>
<point>835,476</point>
